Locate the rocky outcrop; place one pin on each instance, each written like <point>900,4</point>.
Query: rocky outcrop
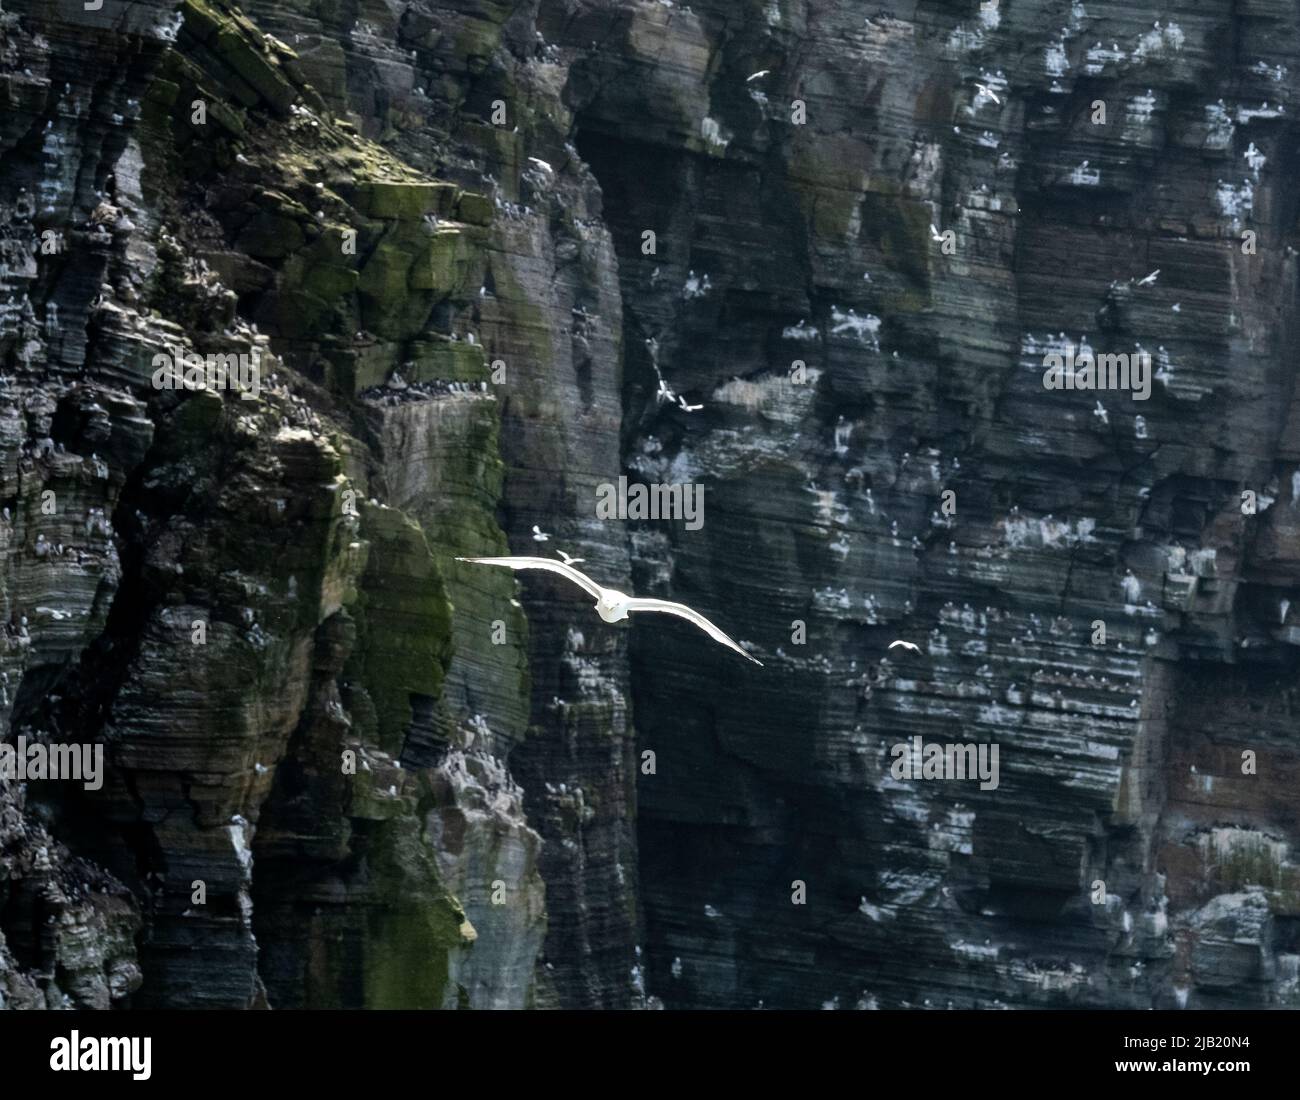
<point>254,636</point>
<point>1071,155</point>
<point>478,251</point>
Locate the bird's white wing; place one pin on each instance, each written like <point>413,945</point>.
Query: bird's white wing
<point>549,565</point>
<point>684,612</point>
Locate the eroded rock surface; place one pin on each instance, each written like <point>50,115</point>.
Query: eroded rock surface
<point>404,781</point>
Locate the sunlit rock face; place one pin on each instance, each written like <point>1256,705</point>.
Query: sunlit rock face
<point>487,258</point>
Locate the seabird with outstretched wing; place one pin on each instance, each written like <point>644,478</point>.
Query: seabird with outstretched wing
<point>612,605</point>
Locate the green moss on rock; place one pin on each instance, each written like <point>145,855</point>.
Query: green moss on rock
<point>404,621</point>
<point>406,199</point>
<point>443,265</point>
<point>474,209</point>
<point>448,360</point>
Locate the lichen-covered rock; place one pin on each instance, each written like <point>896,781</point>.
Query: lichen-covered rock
<point>204,581</point>
<point>479,251</point>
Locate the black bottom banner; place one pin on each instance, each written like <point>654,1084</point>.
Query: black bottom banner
<point>336,1049</point>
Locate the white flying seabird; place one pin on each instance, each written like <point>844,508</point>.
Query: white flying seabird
<point>612,605</point>
<point>906,645</point>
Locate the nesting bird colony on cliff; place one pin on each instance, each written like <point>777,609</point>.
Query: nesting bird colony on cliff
<point>932,372</point>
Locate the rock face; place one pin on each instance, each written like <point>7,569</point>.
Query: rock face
<point>473,260</point>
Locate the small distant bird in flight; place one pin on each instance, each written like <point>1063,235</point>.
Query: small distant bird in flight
<point>905,645</point>
<point>1149,279</point>
<point>984,89</point>
<point>539,535</point>
<point>757,75</point>
<point>688,408</point>
<point>935,235</point>
<point>612,605</point>
<point>570,561</point>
